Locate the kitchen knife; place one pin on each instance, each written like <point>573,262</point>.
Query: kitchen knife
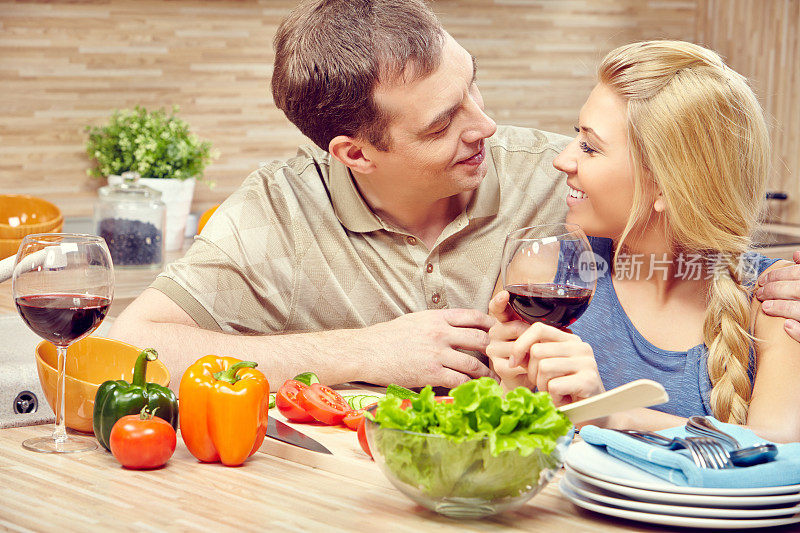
<point>285,433</point>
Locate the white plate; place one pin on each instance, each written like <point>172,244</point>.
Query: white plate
<point>670,520</point>
<point>586,490</point>
<point>709,500</point>
<point>593,462</point>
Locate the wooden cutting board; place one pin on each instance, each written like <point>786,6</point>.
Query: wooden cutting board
<point>347,459</point>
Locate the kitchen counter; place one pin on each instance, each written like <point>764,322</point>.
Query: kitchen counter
<point>275,489</point>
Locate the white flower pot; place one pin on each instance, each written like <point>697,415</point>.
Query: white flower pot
<point>177,197</point>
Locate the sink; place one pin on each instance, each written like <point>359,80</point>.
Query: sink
<point>22,401</point>
<point>763,238</point>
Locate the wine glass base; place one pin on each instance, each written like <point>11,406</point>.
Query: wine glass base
<point>51,445</point>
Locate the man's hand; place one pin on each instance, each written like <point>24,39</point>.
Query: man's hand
<point>779,290</point>
<point>422,348</point>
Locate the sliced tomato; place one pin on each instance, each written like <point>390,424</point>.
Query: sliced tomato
<point>362,436</point>
<point>405,404</point>
<point>353,419</point>
<point>287,402</point>
<point>324,404</point>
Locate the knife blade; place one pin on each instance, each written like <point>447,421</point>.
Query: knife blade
<point>285,433</point>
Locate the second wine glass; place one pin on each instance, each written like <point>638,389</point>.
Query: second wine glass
<point>549,272</point>
<point>63,285</point>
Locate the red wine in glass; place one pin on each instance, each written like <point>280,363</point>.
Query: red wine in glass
<point>549,272</point>
<point>62,284</point>
<point>62,318</point>
<point>554,304</point>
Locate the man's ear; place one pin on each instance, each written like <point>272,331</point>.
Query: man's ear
<point>350,151</point>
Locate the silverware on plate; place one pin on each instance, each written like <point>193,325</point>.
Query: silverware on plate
<point>707,453</point>
<point>699,425</point>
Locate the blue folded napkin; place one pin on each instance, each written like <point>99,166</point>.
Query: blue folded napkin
<point>677,466</point>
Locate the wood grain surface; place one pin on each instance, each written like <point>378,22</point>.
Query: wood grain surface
<point>344,492</point>
<point>65,65</point>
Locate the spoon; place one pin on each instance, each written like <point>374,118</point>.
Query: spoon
<point>639,393</point>
<point>700,426</point>
<point>754,455</point>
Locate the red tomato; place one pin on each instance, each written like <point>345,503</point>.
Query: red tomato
<point>405,404</point>
<point>142,444</point>
<point>287,401</point>
<point>324,404</point>
<point>362,436</point>
<point>353,419</point>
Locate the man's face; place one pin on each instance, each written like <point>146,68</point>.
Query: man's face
<point>436,132</point>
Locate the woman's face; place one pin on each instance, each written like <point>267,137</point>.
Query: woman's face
<point>599,167</point>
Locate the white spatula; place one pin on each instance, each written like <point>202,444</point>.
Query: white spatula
<point>639,393</point>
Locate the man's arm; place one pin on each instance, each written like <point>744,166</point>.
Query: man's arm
<point>412,350</point>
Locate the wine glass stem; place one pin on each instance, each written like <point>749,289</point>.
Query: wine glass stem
<point>60,431</point>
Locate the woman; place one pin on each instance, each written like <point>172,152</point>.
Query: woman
<point>667,171</point>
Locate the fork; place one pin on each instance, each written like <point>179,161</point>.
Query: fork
<point>698,455</point>
<point>706,452</point>
<point>712,451</point>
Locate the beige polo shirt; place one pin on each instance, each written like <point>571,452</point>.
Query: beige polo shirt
<point>297,249</point>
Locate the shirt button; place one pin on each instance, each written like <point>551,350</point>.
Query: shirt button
<point>429,268</point>
<point>411,240</point>
<point>435,298</point>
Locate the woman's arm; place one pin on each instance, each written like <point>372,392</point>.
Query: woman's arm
<point>776,391</point>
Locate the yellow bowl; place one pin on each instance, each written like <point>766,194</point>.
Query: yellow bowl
<point>21,215</point>
<point>9,247</point>
<point>90,362</point>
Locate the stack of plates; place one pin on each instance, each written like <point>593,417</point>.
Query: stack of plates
<point>598,482</point>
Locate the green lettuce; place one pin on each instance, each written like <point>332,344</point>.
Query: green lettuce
<point>491,446</point>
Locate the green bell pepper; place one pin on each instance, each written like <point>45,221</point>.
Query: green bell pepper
<point>117,398</point>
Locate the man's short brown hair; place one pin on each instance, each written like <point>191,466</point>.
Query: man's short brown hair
<point>331,54</point>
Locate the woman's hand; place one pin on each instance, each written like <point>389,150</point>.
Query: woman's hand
<point>555,361</point>
<point>502,335</point>
<point>558,362</point>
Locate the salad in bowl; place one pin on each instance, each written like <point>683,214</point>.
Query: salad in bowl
<point>475,453</point>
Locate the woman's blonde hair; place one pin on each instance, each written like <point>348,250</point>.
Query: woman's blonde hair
<point>697,132</point>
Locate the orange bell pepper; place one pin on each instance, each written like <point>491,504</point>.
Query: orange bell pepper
<point>223,405</point>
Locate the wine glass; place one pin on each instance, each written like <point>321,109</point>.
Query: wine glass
<point>63,284</point>
<point>549,272</point>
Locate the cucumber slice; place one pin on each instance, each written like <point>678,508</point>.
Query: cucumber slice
<point>360,401</point>
<point>307,377</point>
<point>271,400</point>
<point>401,392</point>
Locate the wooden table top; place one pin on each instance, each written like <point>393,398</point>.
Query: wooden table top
<point>280,486</point>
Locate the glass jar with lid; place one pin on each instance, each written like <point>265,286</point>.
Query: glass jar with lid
<point>130,217</point>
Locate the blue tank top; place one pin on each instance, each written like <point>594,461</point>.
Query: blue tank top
<point>623,354</point>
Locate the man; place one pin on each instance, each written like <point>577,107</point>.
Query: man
<point>373,255</point>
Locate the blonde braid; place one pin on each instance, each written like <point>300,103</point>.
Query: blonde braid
<point>729,342</point>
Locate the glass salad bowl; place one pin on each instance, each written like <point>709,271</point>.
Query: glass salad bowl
<point>461,479</point>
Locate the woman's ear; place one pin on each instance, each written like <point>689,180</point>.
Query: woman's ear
<point>659,205</point>
<point>350,151</point>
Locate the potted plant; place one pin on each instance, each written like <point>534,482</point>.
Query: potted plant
<point>161,149</point>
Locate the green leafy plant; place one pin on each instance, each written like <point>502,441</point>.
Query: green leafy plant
<point>153,143</point>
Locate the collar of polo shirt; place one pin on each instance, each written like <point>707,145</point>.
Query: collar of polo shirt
<point>354,213</point>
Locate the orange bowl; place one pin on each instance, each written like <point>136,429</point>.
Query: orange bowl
<point>204,218</point>
<point>90,362</point>
<point>21,215</point>
<point>9,247</point>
